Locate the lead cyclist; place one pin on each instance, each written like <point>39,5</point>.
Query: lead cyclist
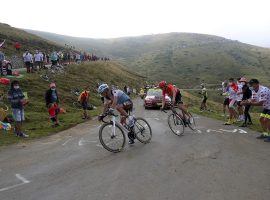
<point>174,93</point>
<point>116,99</point>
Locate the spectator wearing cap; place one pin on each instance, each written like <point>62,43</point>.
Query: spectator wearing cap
<point>52,101</point>
<point>261,97</point>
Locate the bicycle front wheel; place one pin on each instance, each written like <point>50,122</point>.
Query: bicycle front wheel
<point>142,130</point>
<point>176,124</point>
<point>112,138</point>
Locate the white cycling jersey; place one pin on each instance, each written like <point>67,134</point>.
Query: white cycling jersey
<point>239,96</point>
<point>263,94</point>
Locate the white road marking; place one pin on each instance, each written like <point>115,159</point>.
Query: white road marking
<point>157,119</point>
<point>211,130</point>
<point>229,131</point>
<point>199,131</point>
<point>242,131</point>
<point>82,141</point>
<point>21,178</point>
<point>98,145</point>
<point>67,141</point>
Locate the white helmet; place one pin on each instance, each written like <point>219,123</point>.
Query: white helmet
<point>102,88</point>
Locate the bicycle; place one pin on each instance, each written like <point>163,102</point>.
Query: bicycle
<point>112,134</point>
<point>177,122</point>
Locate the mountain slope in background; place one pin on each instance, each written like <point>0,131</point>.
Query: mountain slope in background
<point>27,40</point>
<point>183,58</point>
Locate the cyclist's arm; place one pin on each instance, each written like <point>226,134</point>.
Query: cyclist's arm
<point>115,98</point>
<point>107,105</point>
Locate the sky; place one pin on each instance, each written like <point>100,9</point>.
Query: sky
<point>244,20</point>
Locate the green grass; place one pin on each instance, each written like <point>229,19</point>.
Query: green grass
<point>37,120</point>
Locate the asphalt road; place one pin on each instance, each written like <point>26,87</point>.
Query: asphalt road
<point>216,162</point>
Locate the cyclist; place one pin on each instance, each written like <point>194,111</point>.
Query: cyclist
<point>174,93</point>
<point>261,97</point>
<point>117,99</point>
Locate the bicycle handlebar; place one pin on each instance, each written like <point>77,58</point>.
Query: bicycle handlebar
<point>107,113</point>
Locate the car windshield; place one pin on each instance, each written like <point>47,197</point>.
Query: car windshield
<point>154,93</point>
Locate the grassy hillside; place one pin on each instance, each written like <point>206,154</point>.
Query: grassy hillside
<point>183,58</point>
<point>88,74</point>
<point>27,41</point>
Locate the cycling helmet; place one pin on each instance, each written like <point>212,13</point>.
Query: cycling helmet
<point>162,84</point>
<point>102,88</point>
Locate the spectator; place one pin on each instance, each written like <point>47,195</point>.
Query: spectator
<point>52,101</point>
<point>232,92</point>
<point>2,58</point>
<point>16,98</point>
<point>204,98</point>
<point>48,58</point>
<point>239,99</point>
<point>261,97</point>
<point>54,58</point>
<point>27,58</point>
<point>38,58</point>
<point>247,94</point>
<point>84,100</point>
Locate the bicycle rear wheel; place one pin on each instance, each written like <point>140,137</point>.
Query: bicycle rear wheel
<point>113,143</point>
<point>176,124</point>
<point>191,123</point>
<point>142,130</point>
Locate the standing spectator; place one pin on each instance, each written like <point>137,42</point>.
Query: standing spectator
<point>54,58</point>
<point>204,98</point>
<point>84,100</point>
<point>27,58</point>
<point>2,58</point>
<point>48,58</point>
<point>261,97</point>
<point>247,94</point>
<point>232,92</point>
<point>16,98</point>
<point>78,58</point>
<point>17,46</point>
<point>239,99</point>
<point>52,101</point>
<point>38,58</point>
<point>226,101</point>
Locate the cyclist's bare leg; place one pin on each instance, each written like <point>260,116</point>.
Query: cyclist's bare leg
<point>123,114</point>
<point>183,108</point>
